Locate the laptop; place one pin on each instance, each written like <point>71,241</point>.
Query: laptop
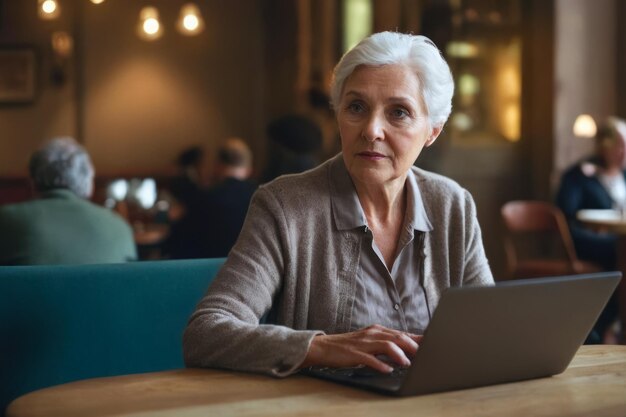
<point>513,331</point>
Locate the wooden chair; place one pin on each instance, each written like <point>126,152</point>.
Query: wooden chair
<point>545,221</point>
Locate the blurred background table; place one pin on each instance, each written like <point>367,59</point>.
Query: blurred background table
<point>612,221</point>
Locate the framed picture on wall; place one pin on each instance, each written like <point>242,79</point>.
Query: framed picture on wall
<point>17,75</point>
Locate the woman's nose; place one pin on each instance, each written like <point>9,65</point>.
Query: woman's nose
<point>374,128</point>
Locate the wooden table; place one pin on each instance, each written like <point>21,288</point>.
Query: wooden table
<point>593,385</point>
<point>612,221</point>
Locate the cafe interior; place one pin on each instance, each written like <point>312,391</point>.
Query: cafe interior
<point>139,82</point>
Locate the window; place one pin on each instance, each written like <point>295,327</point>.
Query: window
<point>357,21</point>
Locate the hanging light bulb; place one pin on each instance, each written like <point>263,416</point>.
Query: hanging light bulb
<point>190,21</point>
<point>97,1</point>
<point>149,27</point>
<point>48,9</point>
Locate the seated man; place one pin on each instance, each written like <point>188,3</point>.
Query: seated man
<point>61,226</point>
<point>211,227</point>
<point>226,203</point>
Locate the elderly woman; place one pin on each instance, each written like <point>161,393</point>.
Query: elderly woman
<point>347,261</point>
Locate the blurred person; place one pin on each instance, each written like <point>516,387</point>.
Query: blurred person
<point>347,261</point>
<point>226,203</point>
<point>186,186</point>
<point>211,227</point>
<point>61,226</point>
<point>295,141</point>
<point>323,115</point>
<point>598,182</point>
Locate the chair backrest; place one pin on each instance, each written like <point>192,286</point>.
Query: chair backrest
<point>528,216</point>
<point>64,323</point>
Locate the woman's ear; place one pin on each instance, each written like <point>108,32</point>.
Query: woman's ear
<point>434,134</point>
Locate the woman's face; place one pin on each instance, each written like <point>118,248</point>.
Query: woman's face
<point>615,152</point>
<point>382,123</point>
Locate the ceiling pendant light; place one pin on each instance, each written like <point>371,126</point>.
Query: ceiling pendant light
<point>149,27</point>
<point>190,21</point>
<point>48,9</point>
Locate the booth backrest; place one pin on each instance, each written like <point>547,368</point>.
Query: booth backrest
<point>64,323</point>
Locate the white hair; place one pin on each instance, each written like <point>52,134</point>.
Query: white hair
<point>416,51</point>
<point>62,163</point>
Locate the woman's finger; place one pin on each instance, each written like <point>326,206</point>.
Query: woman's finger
<point>391,350</point>
<point>406,341</point>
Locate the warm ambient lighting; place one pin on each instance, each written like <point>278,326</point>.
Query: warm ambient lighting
<point>49,6</point>
<point>97,1</point>
<point>459,49</point>
<point>48,9</point>
<point>358,21</point>
<point>149,27</point>
<point>62,44</point>
<point>585,126</point>
<point>190,21</point>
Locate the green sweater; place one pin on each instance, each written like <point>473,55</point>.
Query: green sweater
<point>62,228</point>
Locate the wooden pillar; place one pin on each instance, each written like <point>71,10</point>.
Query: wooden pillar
<point>538,93</point>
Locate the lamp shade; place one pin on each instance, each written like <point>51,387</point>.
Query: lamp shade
<point>585,126</point>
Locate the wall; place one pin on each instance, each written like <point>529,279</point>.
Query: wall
<point>136,104</point>
<point>585,60</point>
<point>52,113</point>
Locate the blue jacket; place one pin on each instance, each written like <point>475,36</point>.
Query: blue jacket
<point>579,191</point>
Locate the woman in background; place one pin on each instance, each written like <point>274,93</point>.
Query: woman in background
<point>597,183</point>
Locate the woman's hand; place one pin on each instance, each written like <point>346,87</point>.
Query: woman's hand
<point>361,347</point>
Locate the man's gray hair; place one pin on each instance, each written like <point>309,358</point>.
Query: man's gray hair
<point>416,51</point>
<point>62,163</point>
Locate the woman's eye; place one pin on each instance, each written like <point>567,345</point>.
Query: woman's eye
<point>356,107</point>
<point>399,113</point>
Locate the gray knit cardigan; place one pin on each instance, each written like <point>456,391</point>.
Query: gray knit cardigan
<point>292,265</point>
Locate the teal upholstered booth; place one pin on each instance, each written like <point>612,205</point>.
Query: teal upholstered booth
<point>64,323</point>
